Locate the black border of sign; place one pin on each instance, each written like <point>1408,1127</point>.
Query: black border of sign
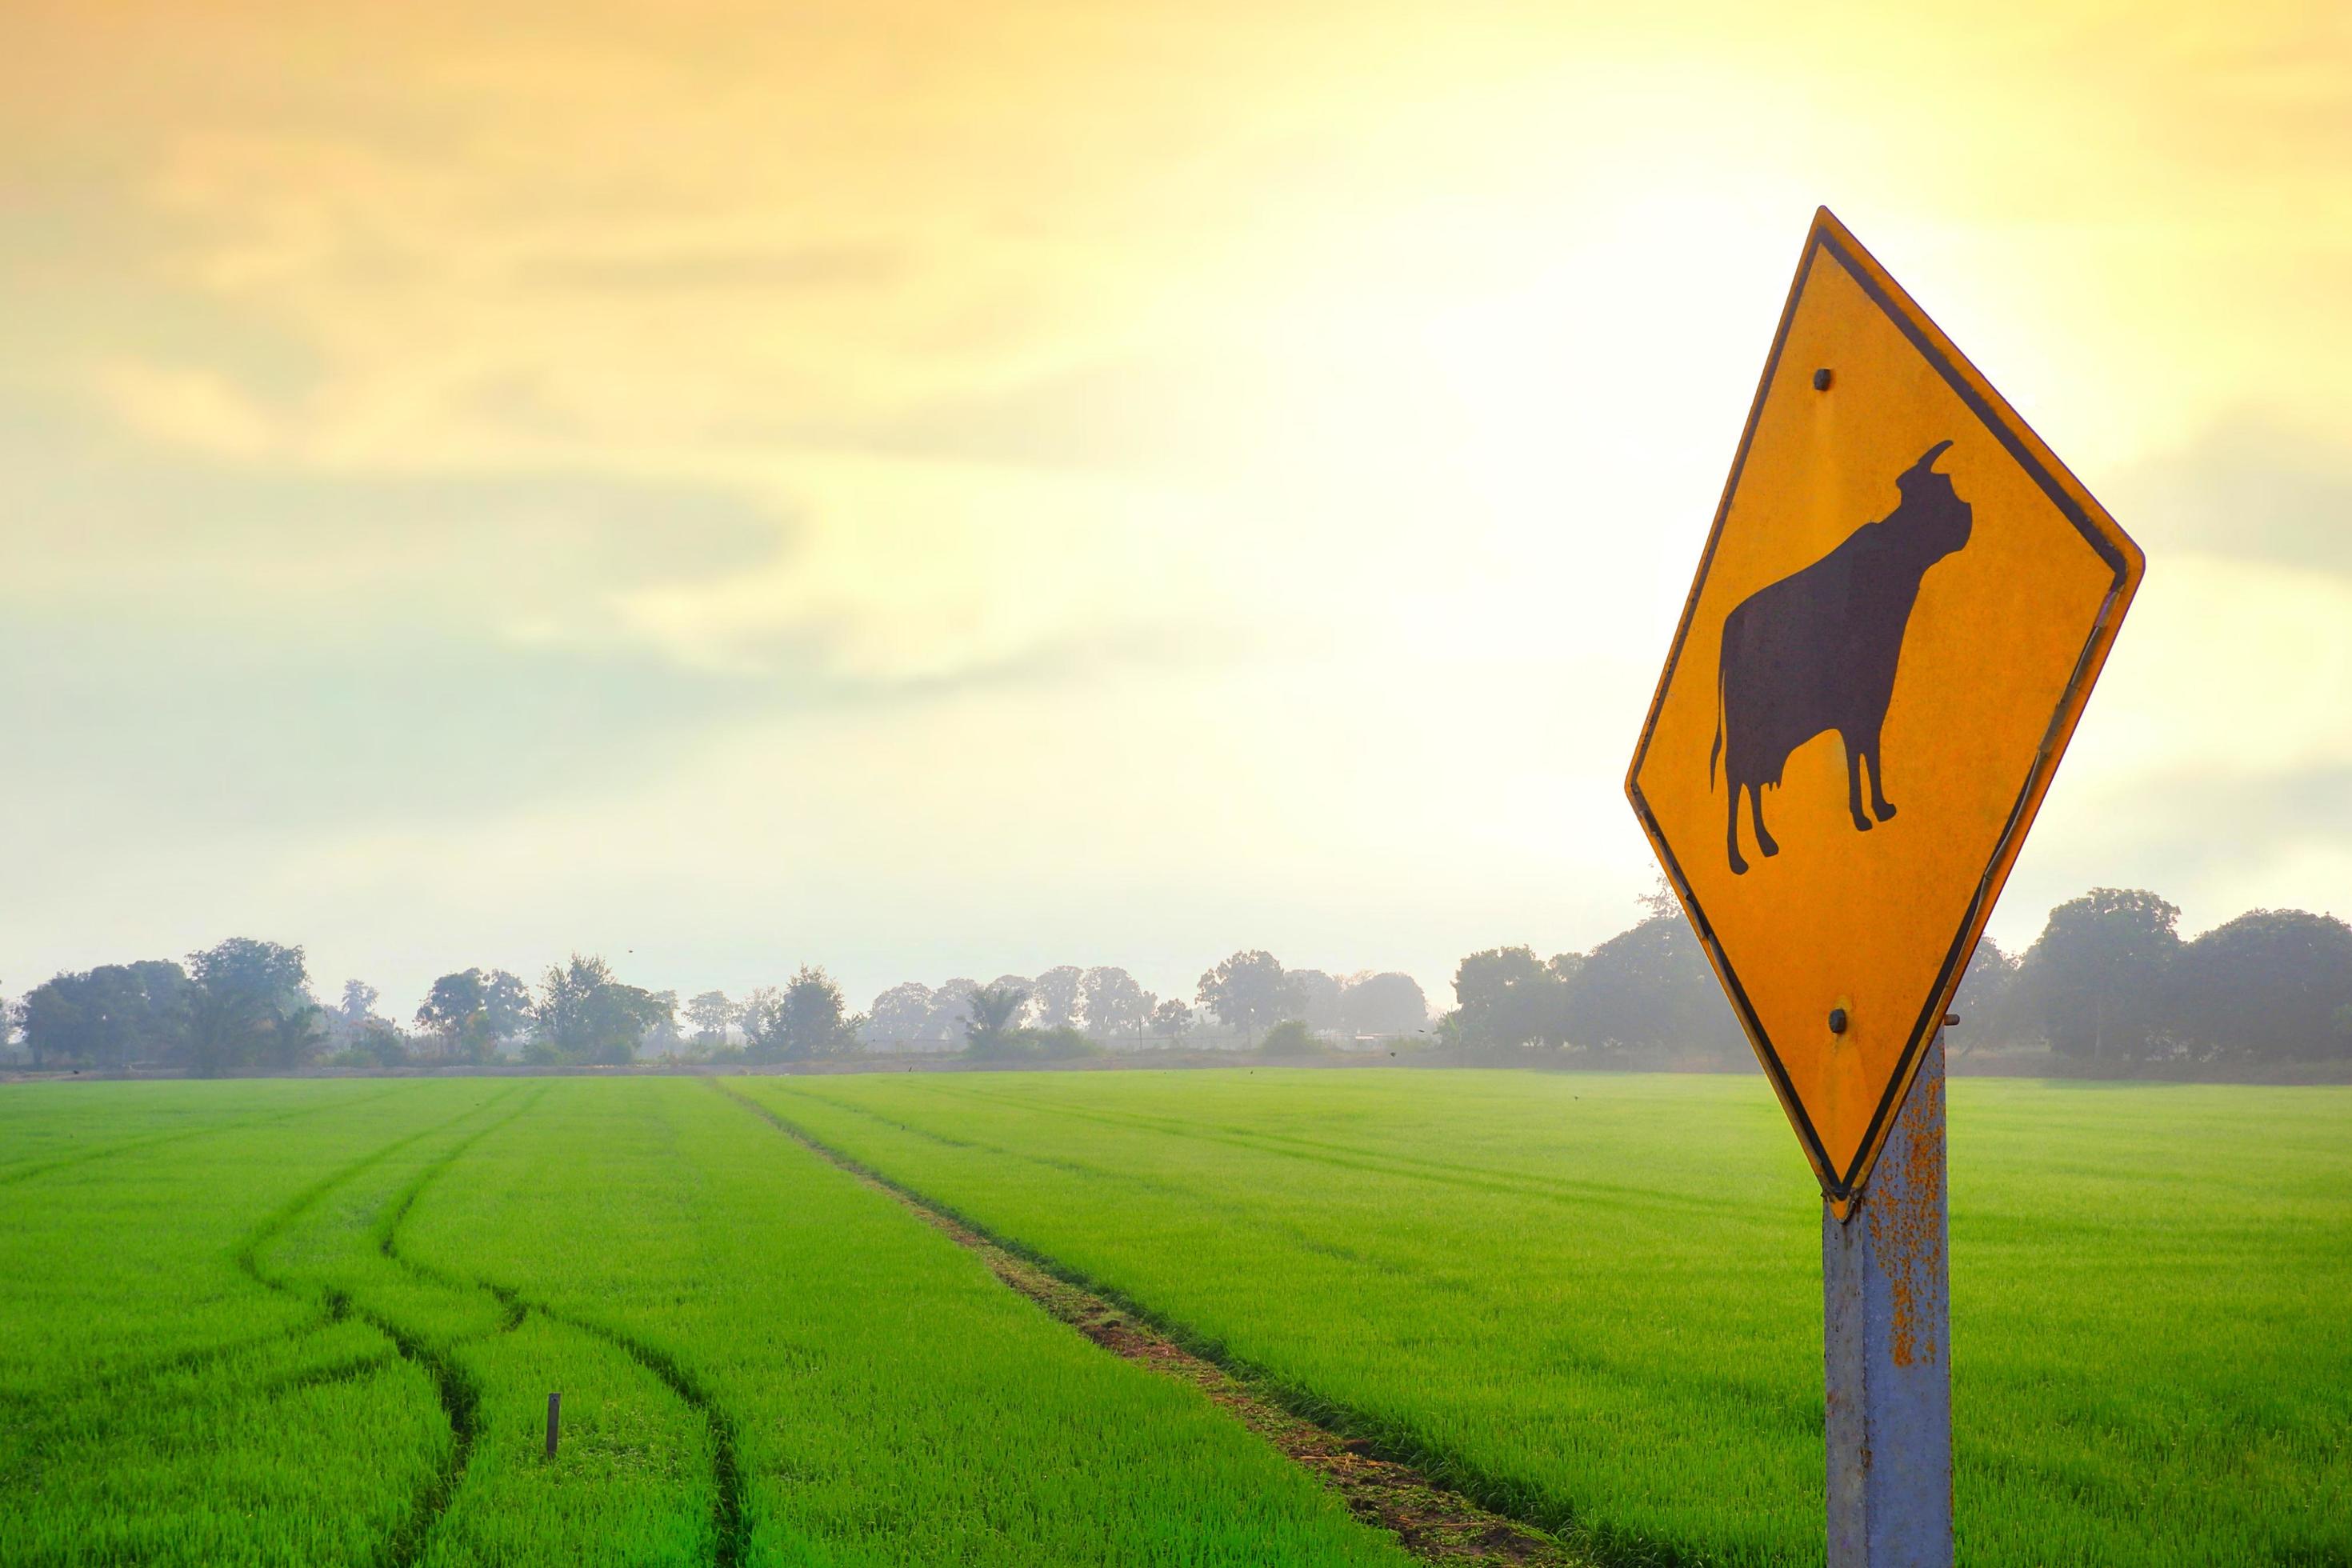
<point>2110,543</point>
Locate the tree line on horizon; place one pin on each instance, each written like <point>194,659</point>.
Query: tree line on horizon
<point>246,1007</point>
<point>1244,996</point>
<point>2110,983</point>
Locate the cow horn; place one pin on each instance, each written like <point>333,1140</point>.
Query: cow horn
<point>1928,459</point>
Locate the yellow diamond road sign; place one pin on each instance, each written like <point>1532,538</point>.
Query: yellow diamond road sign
<point>1897,617</point>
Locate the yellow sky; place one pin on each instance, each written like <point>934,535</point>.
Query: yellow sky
<point>954,490</point>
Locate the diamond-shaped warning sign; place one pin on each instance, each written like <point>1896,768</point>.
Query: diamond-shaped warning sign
<point>1898,615</point>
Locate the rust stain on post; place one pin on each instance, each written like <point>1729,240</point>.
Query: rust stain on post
<point>1886,1340</point>
<point>1907,1227</point>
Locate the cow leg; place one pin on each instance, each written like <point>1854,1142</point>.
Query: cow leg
<point>1878,802</point>
<point>1756,809</point>
<point>1731,833</point>
<point>1853,786</point>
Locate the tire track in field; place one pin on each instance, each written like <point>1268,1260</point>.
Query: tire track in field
<point>453,1387</point>
<point>1436,1522</point>
<point>453,1383</point>
<point>730,1526</point>
<point>329,1310</point>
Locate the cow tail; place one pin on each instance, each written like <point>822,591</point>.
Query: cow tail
<point>1716,749</point>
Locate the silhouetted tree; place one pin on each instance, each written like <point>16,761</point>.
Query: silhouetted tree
<point>1318,998</point>
<point>1114,1003</point>
<point>381,1039</point>
<point>1650,988</point>
<point>77,1019</point>
<point>110,1017</point>
<point>505,1004</point>
<point>1388,1003</point>
<point>1507,996</point>
<point>761,1018</point>
<point>1291,1037</point>
<point>1053,996</point>
<point>1660,900</point>
<point>661,1029</point>
<point>993,1009</point>
<point>710,1013</point>
<point>1987,999</point>
<point>804,1020</point>
<point>900,1013</point>
<point>2267,987</point>
<point>2096,979</point>
<point>1171,1020</point>
<point>358,1004</point>
<point>250,1007</point>
<point>1250,991</point>
<point>585,1014</point>
<point>296,1037</point>
<point>457,1012</point>
<point>950,1015</point>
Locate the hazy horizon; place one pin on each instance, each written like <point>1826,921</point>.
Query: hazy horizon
<point>931,491</point>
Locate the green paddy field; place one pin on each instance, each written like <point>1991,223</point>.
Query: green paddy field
<point>317,1322</point>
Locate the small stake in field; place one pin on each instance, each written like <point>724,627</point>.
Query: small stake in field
<point>554,1418</point>
<point>1898,619</point>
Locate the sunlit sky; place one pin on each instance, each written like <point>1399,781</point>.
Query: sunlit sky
<point>956,489</point>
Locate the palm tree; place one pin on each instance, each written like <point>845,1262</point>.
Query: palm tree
<point>993,1009</point>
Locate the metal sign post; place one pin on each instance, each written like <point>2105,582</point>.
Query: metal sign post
<point>1887,1333</point>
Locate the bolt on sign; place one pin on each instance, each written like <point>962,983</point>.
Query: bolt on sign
<point>1897,620</point>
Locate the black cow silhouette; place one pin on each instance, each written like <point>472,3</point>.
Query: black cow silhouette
<point>1817,651</point>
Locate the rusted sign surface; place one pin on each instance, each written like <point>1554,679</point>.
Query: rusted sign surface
<point>1897,617</point>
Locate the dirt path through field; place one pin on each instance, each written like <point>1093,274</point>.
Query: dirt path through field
<point>1434,1524</point>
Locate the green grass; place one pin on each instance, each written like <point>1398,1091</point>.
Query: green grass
<point>280,1322</point>
<point>317,1324</point>
<point>157,1400</point>
<point>1596,1300</point>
